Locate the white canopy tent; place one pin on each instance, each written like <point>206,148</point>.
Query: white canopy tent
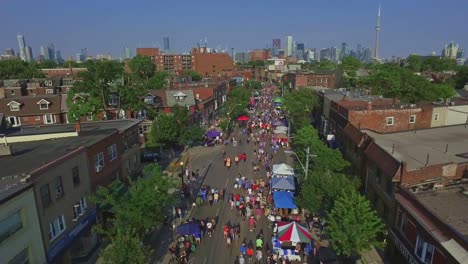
<point>283,169</point>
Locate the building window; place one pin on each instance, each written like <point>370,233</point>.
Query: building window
<point>112,152</point>
<point>21,258</point>
<point>436,117</point>
<point>389,188</point>
<point>58,187</point>
<point>10,225</point>
<point>12,92</point>
<point>99,161</point>
<point>43,106</point>
<point>378,176</point>
<point>89,117</point>
<point>76,176</point>
<point>45,195</point>
<point>135,161</point>
<point>390,121</point>
<point>423,250</point>
<point>56,227</point>
<point>79,208</point>
<point>38,118</point>
<point>412,119</point>
<point>401,221</point>
<point>49,119</point>
<point>49,91</point>
<point>113,101</point>
<point>14,121</point>
<point>14,107</point>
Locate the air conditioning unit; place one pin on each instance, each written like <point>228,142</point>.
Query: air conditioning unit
<point>98,168</point>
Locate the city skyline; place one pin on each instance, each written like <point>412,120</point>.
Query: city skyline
<point>403,32</point>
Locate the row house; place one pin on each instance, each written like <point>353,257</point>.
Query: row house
<point>63,172</point>
<point>34,110</point>
<point>15,88</point>
<point>430,226</point>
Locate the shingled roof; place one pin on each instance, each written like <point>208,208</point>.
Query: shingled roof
<point>30,105</point>
<point>187,95</point>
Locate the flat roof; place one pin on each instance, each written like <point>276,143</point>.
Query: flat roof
<point>449,205</point>
<point>414,147</point>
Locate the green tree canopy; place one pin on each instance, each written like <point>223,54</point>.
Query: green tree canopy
<point>195,75</point>
<point>257,63</point>
<point>353,225</point>
<point>350,65</point>
<point>462,77</point>
<point>253,85</point>
<point>47,64</point>
<point>299,105</point>
<point>142,66</point>
<point>164,131</point>
<point>18,69</point>
<point>94,87</point>
<point>437,64</point>
<point>159,80</point>
<point>126,248</point>
<point>414,63</point>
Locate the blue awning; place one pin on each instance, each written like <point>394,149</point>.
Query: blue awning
<point>283,183</point>
<point>284,199</point>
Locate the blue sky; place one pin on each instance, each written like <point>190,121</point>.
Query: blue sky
<point>106,26</point>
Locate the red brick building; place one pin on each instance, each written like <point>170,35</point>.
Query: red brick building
<point>307,80</point>
<point>260,54</point>
<point>33,110</point>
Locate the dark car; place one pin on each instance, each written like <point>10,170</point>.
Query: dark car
<point>150,156</point>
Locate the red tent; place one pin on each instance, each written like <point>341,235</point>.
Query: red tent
<point>243,118</point>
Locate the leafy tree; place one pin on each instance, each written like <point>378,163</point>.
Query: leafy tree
<point>47,64</point>
<point>95,84</point>
<point>18,69</point>
<point>142,207</point>
<point>253,85</point>
<point>299,105</point>
<point>438,64</point>
<point>164,131</point>
<point>159,80</point>
<point>350,65</point>
<point>461,78</point>
<point>352,225</point>
<point>195,75</point>
<point>126,248</point>
<point>142,66</point>
<point>414,63</point>
<point>323,188</point>
<point>238,101</point>
<point>327,159</point>
<point>257,63</point>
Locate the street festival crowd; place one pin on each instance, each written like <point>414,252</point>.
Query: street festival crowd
<point>255,195</point>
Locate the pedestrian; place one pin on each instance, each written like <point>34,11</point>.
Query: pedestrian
<point>236,159</point>
<point>215,197</point>
<point>228,242</point>
<point>259,256</point>
<point>179,213</point>
<point>241,259</point>
<point>210,199</point>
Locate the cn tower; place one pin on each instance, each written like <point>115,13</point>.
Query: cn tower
<point>377,37</point>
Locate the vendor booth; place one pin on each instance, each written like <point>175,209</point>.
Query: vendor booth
<point>290,240</point>
<point>283,183</point>
<point>282,169</point>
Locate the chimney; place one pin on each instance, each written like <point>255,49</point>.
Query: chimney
<point>369,106</point>
<point>78,126</point>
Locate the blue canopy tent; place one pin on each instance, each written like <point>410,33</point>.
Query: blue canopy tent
<point>283,183</point>
<point>188,229</point>
<point>284,199</point>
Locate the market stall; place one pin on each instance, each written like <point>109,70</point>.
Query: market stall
<point>285,183</point>
<point>282,169</point>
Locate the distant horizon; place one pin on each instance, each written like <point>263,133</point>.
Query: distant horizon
<point>244,25</point>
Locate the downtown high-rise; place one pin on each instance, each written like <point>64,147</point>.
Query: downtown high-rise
<point>289,46</point>
<point>22,47</point>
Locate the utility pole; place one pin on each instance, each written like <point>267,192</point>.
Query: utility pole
<point>306,173</point>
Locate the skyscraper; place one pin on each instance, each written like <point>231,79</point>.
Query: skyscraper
<point>128,53</point>
<point>166,43</point>
<point>58,57</point>
<point>450,51</point>
<point>51,50</point>
<point>300,51</point>
<point>461,54</point>
<point>377,37</point>
<point>29,54</point>
<point>84,54</point>
<point>335,54</point>
<point>9,52</point>
<point>22,47</point>
<point>276,47</point>
<point>45,53</point>
<point>289,46</point>
<point>344,50</point>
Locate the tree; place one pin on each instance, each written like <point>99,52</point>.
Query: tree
<point>253,85</point>
<point>95,85</point>
<point>195,75</point>
<point>352,225</point>
<point>18,69</point>
<point>142,66</point>
<point>159,80</point>
<point>350,65</point>
<point>126,248</point>
<point>47,64</point>
<point>461,79</point>
<point>256,63</point>
<point>327,159</point>
<point>164,131</point>
<point>437,64</point>
<point>414,63</point>
<point>299,105</point>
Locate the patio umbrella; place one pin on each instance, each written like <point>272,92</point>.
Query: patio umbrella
<point>212,133</point>
<point>243,118</point>
<point>293,232</point>
<point>188,229</point>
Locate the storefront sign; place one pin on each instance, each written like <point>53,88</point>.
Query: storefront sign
<point>403,250</point>
<point>68,238</point>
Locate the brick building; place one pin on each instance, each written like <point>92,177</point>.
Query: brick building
<point>64,164</point>
<point>260,54</point>
<point>430,226</point>
<point>308,80</point>
<point>206,64</point>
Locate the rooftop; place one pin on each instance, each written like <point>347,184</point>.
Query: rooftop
<point>425,147</point>
<point>449,205</point>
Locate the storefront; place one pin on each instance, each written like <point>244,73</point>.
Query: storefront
<point>77,244</point>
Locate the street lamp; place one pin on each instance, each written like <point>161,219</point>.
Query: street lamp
<point>308,156</point>
<point>182,172</point>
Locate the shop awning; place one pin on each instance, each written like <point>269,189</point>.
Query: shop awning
<point>284,199</point>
